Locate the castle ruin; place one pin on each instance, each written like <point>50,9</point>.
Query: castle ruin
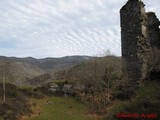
<point>140,39</point>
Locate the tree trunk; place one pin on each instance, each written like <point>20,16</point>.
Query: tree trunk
<point>4,88</point>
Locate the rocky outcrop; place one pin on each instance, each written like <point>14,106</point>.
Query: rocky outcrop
<point>61,89</point>
<point>53,88</point>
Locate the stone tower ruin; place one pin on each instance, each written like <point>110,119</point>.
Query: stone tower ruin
<point>140,37</point>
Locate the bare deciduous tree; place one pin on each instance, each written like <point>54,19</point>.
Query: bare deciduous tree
<point>4,85</point>
<point>5,72</point>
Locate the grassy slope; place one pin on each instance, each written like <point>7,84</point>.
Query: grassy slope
<point>61,108</point>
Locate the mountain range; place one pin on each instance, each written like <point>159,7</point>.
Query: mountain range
<point>20,70</point>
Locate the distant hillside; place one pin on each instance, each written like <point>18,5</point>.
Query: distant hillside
<point>84,71</point>
<point>48,64</point>
<point>21,70</point>
<point>40,80</point>
<point>18,72</point>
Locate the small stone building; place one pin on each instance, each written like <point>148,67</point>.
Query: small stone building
<point>140,39</point>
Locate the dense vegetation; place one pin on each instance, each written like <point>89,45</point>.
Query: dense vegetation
<point>16,103</point>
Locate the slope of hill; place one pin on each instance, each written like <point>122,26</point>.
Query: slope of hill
<point>48,64</point>
<point>39,80</point>
<point>20,70</point>
<point>83,71</point>
<point>90,70</point>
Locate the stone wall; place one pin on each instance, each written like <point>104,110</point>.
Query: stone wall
<point>139,34</point>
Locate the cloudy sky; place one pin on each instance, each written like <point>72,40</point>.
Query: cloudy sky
<point>56,28</point>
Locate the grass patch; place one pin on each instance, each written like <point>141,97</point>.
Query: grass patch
<point>60,108</point>
<point>151,89</point>
<point>60,82</point>
<point>26,87</point>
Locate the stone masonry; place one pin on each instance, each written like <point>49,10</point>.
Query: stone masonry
<point>140,33</point>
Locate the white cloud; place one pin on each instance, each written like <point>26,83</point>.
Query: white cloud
<point>55,28</point>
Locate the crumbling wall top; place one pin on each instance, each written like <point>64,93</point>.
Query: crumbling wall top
<point>154,31</point>
<point>131,4</point>
<point>152,19</point>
